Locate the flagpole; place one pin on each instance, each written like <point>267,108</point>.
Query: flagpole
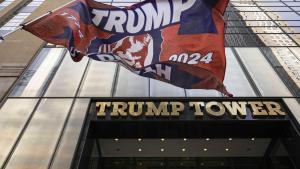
<point>3,37</point>
<point>49,12</point>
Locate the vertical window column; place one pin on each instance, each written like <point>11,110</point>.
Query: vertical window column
<point>5,3</point>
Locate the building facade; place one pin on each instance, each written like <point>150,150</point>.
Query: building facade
<point>49,103</point>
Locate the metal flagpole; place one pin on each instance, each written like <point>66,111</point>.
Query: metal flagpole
<point>2,37</point>
<point>6,34</point>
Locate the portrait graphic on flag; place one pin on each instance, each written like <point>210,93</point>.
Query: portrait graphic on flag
<point>180,42</point>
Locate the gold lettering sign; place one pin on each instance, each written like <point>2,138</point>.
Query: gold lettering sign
<point>236,108</point>
<point>257,109</point>
<point>274,109</point>
<point>132,106</point>
<point>119,109</point>
<point>217,113</point>
<point>198,109</point>
<point>102,106</point>
<point>197,106</point>
<point>162,109</point>
<point>177,107</point>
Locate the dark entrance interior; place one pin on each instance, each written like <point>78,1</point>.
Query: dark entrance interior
<point>232,144</point>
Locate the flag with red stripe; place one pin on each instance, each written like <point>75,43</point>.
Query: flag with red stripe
<point>180,42</point>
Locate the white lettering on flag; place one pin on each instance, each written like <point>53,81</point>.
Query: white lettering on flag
<point>147,17</point>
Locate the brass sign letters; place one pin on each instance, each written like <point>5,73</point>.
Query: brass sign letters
<point>232,109</point>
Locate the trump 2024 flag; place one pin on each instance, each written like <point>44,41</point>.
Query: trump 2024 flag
<point>180,42</point>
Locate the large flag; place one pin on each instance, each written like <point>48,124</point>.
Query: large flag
<point>176,41</point>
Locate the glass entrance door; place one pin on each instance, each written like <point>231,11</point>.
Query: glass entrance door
<point>184,153</point>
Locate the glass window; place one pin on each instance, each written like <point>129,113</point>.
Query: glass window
<point>296,38</point>
<point>253,16</point>
<point>276,40</point>
<point>12,24</point>
<point>273,8</point>
<point>98,81</point>
<point>296,52</point>
<point>5,3</point>
<point>284,15</point>
<point>235,80</point>
<point>38,142</point>
<point>289,62</point>
<point>292,3</point>
<point>68,143</point>
<point>270,4</point>
<point>22,14</point>
<point>131,85</point>
<point>32,83</point>
<point>66,80</point>
<point>162,89</point>
<point>202,93</point>
<point>28,9</point>
<point>242,3</point>
<point>289,23</point>
<point>14,115</point>
<point>262,73</point>
<point>294,106</point>
<point>267,30</point>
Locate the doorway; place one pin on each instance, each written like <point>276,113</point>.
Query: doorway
<point>260,144</point>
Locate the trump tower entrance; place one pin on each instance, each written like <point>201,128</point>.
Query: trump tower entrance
<point>159,133</point>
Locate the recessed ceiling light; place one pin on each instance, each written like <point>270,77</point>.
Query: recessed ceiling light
<point>116,139</point>
<point>141,164</point>
<point>162,139</point>
<point>184,139</point>
<point>226,149</point>
<point>205,149</point>
<point>162,149</point>
<point>140,149</point>
<point>139,139</point>
<point>207,139</point>
<point>230,139</point>
<point>252,139</point>
<point>183,149</point>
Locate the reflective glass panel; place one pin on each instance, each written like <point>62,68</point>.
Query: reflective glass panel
<point>66,80</point>
<point>262,73</point>
<point>162,89</point>
<point>40,138</point>
<point>13,117</point>
<point>98,81</point>
<point>236,81</point>
<point>32,82</point>
<point>68,143</point>
<point>131,85</point>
